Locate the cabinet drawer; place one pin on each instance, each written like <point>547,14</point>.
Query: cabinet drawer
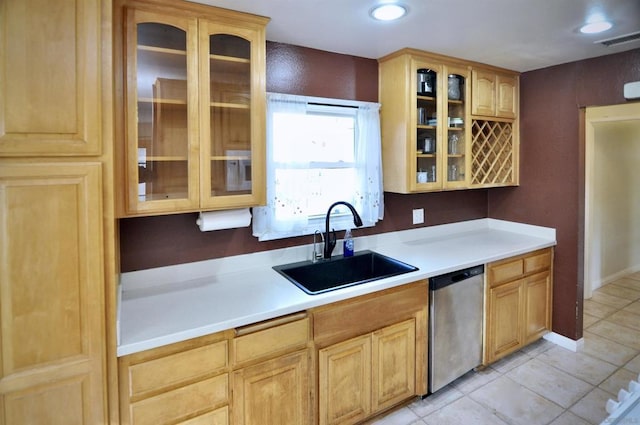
<point>506,271</point>
<point>174,369</point>
<point>171,406</point>
<point>217,417</point>
<point>538,261</point>
<point>266,342</point>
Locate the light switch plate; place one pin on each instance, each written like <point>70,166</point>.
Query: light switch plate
<point>418,216</point>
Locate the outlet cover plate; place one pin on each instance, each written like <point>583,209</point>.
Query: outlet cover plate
<point>418,216</point>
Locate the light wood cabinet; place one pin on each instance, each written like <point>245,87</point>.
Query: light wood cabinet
<point>367,374</point>
<point>51,293</point>
<point>368,362</point>
<point>194,129</point>
<point>463,133</point>
<point>273,392</point>
<point>271,377</point>
<point>494,128</point>
<point>494,94</point>
<point>518,302</point>
<point>425,137</point>
<point>50,77</point>
<point>187,382</point>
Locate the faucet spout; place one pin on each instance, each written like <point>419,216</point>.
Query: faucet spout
<point>330,239</point>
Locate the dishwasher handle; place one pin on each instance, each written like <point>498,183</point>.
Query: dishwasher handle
<point>439,282</point>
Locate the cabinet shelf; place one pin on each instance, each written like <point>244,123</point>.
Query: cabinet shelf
<point>426,155</point>
<point>164,159</point>
<point>426,127</point>
<point>427,98</point>
<point>229,105</point>
<point>162,101</point>
<point>162,50</point>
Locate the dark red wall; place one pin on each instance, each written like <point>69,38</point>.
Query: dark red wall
<point>148,242</point>
<point>551,191</point>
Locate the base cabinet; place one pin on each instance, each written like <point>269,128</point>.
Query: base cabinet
<point>185,383</point>
<point>367,374</point>
<point>518,307</point>
<point>273,392</point>
<point>367,363</point>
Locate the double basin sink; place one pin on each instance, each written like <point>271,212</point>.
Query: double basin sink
<point>341,272</point>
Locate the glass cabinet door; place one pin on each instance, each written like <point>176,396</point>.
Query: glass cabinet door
<point>456,134</point>
<point>428,120</point>
<point>161,102</point>
<point>232,107</point>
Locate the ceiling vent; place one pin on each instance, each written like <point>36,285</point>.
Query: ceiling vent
<point>627,38</point>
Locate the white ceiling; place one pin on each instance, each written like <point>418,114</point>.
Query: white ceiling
<point>521,35</point>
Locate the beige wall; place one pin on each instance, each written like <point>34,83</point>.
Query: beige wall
<point>615,213</point>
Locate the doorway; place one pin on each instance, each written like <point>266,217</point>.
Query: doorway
<point>612,195</point>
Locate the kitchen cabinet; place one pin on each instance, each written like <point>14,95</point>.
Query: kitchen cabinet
<point>461,133</point>
<point>51,293</point>
<point>425,137</point>
<point>367,374</point>
<point>57,240</point>
<point>187,382</point>
<point>271,372</point>
<point>368,362</point>
<point>494,94</point>
<point>50,92</point>
<point>494,128</point>
<point>193,127</point>
<point>518,302</point>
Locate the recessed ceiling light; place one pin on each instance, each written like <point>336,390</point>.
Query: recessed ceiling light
<point>388,12</point>
<point>595,27</point>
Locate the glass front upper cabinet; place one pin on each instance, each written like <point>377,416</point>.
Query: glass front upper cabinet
<point>162,160</point>
<point>195,113</point>
<point>428,121</point>
<point>456,136</point>
<point>233,138</point>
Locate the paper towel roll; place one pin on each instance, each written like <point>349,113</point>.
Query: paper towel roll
<point>228,219</point>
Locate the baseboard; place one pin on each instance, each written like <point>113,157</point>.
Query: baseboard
<point>565,342</point>
<point>612,278</point>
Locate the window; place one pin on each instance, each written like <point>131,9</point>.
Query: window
<point>319,151</point>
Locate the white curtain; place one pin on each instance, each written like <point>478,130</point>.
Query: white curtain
<point>292,196</point>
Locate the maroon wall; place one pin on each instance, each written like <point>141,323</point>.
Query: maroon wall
<point>551,191</point>
<point>148,242</point>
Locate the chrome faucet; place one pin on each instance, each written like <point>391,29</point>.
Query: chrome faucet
<point>330,240</point>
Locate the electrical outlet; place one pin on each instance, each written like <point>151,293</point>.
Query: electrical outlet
<point>418,216</point>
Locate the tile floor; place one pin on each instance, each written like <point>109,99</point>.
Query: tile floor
<point>544,383</point>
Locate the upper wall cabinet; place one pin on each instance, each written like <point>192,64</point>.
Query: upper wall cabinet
<point>48,67</point>
<point>494,94</point>
<point>446,123</point>
<point>425,111</point>
<point>194,123</point>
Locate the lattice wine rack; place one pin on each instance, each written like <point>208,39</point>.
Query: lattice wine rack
<point>492,153</point>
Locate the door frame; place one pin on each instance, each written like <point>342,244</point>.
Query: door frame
<point>593,116</point>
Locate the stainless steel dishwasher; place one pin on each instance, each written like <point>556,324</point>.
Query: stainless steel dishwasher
<point>455,325</point>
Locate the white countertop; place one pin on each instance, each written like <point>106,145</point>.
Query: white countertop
<point>175,303</point>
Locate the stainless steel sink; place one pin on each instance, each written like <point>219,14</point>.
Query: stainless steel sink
<point>340,272</point>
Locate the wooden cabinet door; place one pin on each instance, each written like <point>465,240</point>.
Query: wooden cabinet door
<point>483,93</point>
<point>393,364</point>
<point>537,295</point>
<point>161,152</point>
<point>51,294</point>
<point>273,392</point>
<point>50,78</point>
<point>345,381</point>
<point>505,320</point>
<point>506,96</point>
<point>232,111</point>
